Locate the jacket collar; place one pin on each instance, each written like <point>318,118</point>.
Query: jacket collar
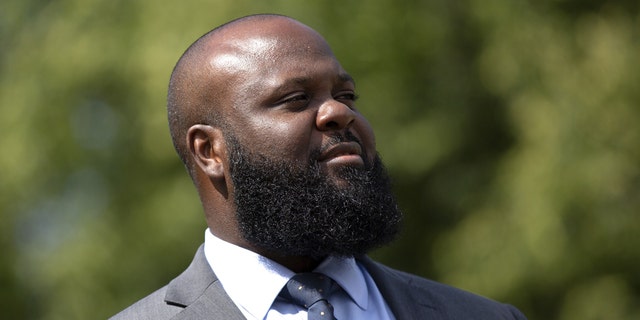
<point>406,299</point>
<point>197,289</point>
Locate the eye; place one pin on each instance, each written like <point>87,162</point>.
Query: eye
<point>295,101</point>
<point>298,97</point>
<point>348,98</point>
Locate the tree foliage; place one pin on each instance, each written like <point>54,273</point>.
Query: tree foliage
<point>511,129</point>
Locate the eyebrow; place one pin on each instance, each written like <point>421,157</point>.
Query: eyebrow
<point>343,77</point>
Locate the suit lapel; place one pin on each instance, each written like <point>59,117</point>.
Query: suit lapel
<point>198,290</point>
<point>213,304</point>
<point>201,295</point>
<point>406,300</point>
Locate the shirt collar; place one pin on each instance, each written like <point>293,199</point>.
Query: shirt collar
<point>253,282</point>
<point>345,271</point>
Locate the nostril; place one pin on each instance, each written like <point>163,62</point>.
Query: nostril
<point>331,125</point>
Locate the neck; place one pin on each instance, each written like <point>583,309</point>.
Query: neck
<point>297,264</point>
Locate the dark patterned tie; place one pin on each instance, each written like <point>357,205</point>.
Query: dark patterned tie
<point>310,290</point>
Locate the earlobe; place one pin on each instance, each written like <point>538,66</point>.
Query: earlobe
<point>206,145</point>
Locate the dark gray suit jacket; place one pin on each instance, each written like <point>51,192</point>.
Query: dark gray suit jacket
<point>197,294</point>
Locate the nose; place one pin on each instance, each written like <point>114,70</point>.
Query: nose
<point>334,115</point>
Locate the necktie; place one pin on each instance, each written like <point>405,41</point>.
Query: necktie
<point>310,290</point>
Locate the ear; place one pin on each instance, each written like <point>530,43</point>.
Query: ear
<point>207,148</point>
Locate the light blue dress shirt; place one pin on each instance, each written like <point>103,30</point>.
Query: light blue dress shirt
<point>239,270</point>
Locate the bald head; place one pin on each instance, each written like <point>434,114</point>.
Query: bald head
<point>206,72</point>
<point>259,110</point>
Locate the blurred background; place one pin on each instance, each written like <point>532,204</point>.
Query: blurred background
<point>511,129</point>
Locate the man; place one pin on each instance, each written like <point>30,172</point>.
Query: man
<point>263,116</point>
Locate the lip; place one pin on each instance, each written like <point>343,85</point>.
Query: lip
<point>344,152</point>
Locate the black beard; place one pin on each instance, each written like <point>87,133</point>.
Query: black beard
<point>294,210</point>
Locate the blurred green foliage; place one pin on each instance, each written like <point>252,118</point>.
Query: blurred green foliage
<point>511,129</point>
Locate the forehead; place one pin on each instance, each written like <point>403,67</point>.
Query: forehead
<point>256,45</point>
<point>258,57</point>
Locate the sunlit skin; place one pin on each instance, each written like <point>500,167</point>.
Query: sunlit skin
<point>283,94</point>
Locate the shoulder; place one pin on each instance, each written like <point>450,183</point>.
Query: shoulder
<point>438,298</point>
<point>194,294</point>
<point>151,307</point>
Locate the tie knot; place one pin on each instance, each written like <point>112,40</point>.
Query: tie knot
<point>305,289</point>
<point>310,291</point>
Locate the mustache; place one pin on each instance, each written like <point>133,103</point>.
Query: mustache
<point>334,139</point>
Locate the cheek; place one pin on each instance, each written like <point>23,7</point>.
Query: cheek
<point>283,138</point>
<point>366,135</point>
